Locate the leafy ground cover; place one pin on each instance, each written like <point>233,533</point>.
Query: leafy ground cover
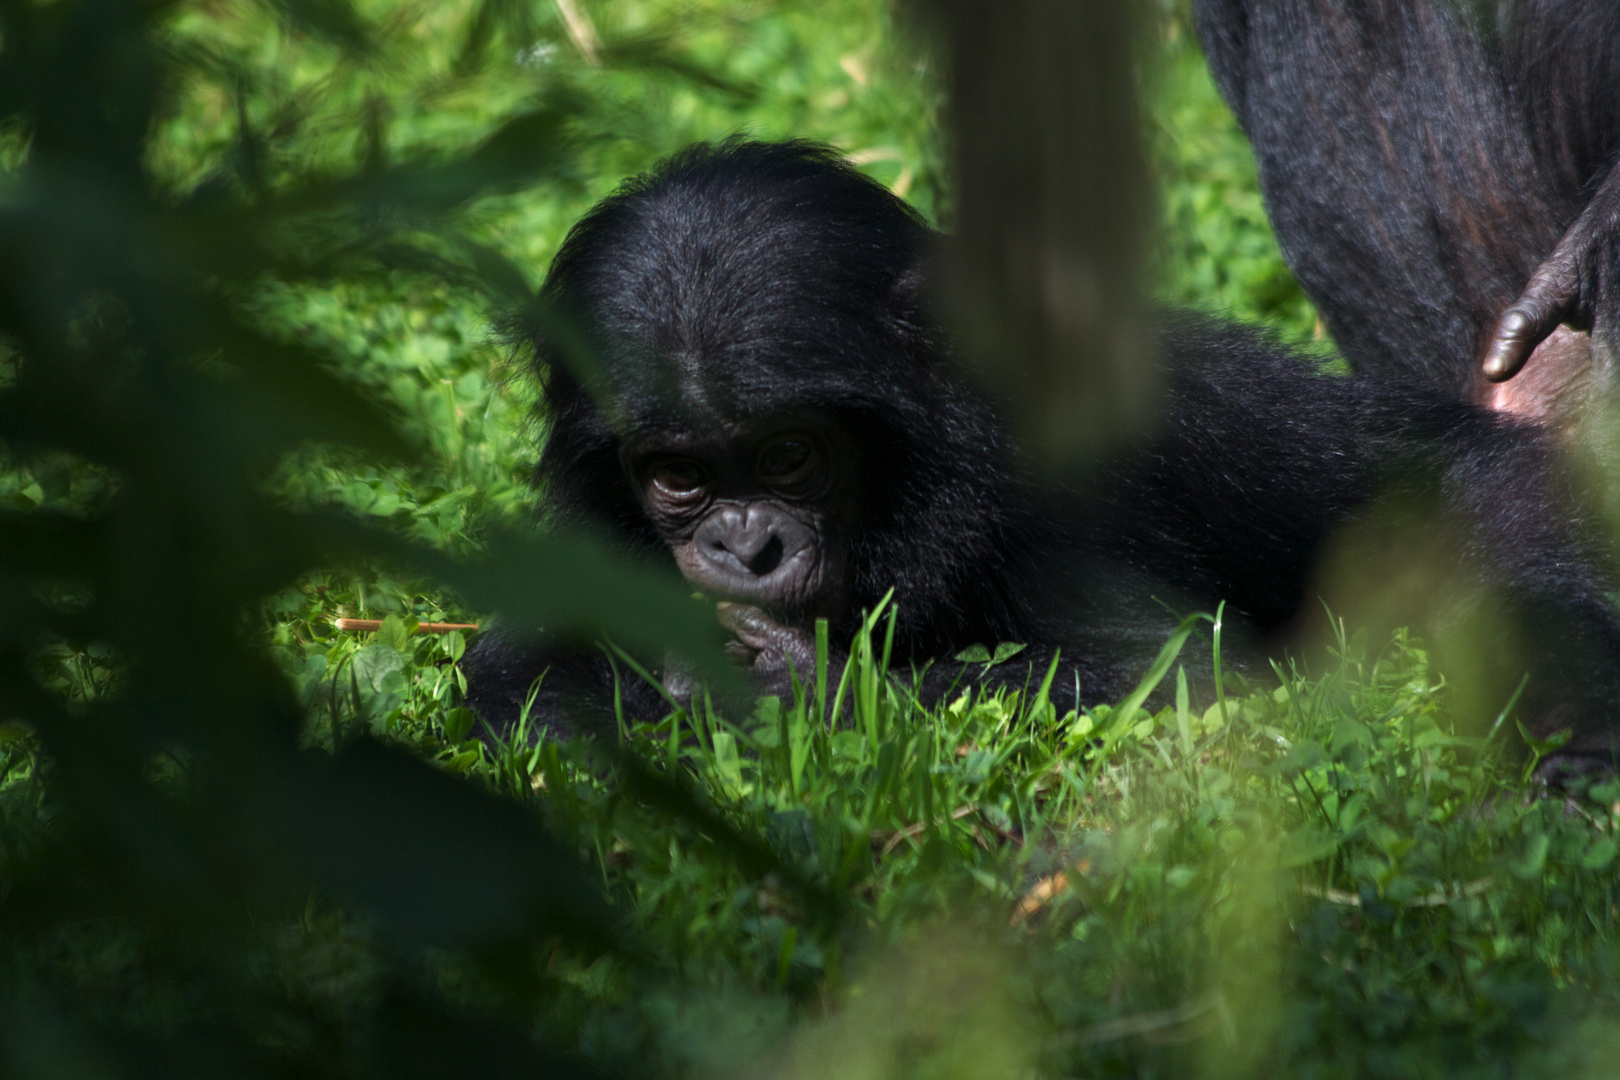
<point>1325,871</point>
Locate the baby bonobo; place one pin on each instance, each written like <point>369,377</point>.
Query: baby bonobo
<point>779,411</point>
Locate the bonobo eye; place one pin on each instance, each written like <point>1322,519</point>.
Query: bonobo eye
<point>787,461</point>
<point>678,476</point>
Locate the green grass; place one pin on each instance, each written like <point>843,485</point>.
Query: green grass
<point>1324,872</point>
<point>1315,872</point>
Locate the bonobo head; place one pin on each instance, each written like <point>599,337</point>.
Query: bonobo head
<point>743,335</point>
<point>758,511</point>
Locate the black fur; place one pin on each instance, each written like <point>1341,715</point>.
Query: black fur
<point>738,280</point>
<point>1419,158</point>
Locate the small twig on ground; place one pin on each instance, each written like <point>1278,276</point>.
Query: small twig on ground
<point>1159,1023</point>
<point>1438,898</point>
<point>893,840</point>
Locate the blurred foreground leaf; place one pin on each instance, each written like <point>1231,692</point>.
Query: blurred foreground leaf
<point>181,812</point>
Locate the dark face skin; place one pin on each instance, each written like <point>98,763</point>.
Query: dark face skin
<point>756,512</point>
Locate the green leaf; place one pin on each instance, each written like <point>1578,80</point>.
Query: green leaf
<point>1535,857</point>
<point>1155,673</point>
<point>455,645</point>
<point>727,765</point>
<point>374,663</point>
<point>1179,877</point>
<point>1350,732</point>
<point>458,724</point>
<point>394,633</point>
<point>792,835</point>
<point>1301,756</point>
<point>1006,651</point>
<point>1543,747</point>
<point>1307,846</point>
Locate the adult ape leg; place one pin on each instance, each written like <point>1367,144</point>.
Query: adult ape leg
<point>1532,554</point>
<point>1419,159</point>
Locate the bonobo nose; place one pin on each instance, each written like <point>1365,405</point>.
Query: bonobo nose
<point>750,541</point>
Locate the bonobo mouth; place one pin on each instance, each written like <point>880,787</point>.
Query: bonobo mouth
<point>793,615</point>
<point>790,591</point>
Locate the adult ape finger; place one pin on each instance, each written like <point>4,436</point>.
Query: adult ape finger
<point>1562,291</point>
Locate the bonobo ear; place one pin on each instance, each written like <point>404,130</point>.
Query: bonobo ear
<point>557,338</point>
<point>913,283</point>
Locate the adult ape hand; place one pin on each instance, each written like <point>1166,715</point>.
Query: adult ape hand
<point>1562,291</point>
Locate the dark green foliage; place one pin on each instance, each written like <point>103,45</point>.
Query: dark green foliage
<point>250,259</point>
<point>152,394</point>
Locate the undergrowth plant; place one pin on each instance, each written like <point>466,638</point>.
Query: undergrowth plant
<point>1315,870</point>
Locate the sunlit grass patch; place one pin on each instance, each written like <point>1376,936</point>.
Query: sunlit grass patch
<point>1317,858</point>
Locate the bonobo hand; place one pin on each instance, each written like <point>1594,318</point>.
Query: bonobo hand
<point>1560,291</point>
<point>765,647</point>
<point>768,648</point>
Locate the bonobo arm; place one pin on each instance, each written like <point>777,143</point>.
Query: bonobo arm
<point>1561,291</point>
<point>1101,665</point>
<point>573,689</point>
<point>570,688</point>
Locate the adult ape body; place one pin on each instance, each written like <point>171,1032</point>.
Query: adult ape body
<point>779,411</point>
<point>1420,160</point>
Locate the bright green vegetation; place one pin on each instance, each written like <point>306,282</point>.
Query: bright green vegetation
<point>1317,862</point>
<point>1323,872</point>
<point>1310,873</point>
<point>1216,250</point>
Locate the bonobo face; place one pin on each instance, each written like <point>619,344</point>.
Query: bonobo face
<point>757,511</point>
